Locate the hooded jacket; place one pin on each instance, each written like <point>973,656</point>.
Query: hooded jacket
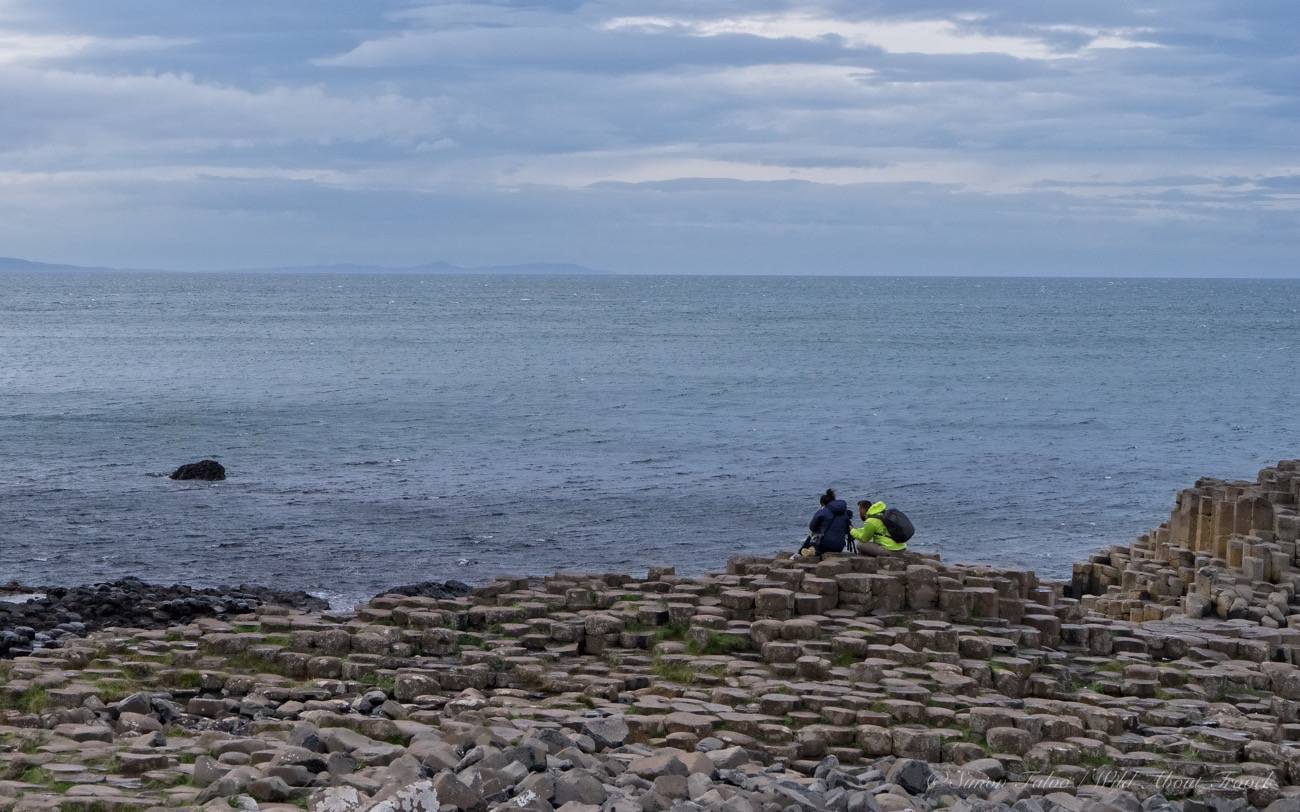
<point>832,522</point>
<point>873,530</point>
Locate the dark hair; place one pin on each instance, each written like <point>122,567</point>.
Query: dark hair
<point>865,503</point>
<point>828,497</point>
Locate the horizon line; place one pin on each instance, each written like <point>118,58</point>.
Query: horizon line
<point>635,274</point>
<point>504,270</point>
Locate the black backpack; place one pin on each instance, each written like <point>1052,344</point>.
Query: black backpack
<point>897,525</point>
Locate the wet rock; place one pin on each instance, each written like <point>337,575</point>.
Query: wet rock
<point>431,589</point>
<point>207,470</point>
<point>130,603</point>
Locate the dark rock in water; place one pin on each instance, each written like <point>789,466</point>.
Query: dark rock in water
<point>209,470</point>
<point>431,589</point>
<point>131,603</point>
<point>294,599</point>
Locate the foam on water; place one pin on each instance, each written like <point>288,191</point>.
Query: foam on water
<point>21,597</point>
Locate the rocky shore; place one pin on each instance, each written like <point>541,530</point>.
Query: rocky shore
<point>58,612</point>
<point>1162,676</point>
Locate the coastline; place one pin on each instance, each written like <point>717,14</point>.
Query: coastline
<point>388,487</point>
<point>1158,677</point>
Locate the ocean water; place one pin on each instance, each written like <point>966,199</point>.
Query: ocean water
<point>386,429</point>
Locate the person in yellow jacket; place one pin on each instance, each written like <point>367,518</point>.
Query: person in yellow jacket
<point>872,537</point>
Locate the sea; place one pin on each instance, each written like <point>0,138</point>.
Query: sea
<point>386,429</point>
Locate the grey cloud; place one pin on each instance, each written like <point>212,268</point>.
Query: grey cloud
<point>1180,180</point>
<point>315,130</point>
<point>683,226</point>
<point>180,110</point>
<point>1288,183</point>
<point>962,68</point>
<point>577,49</point>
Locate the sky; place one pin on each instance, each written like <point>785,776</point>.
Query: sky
<point>948,137</point>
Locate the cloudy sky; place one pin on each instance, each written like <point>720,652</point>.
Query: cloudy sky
<point>844,136</point>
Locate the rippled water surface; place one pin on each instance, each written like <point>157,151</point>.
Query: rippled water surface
<point>386,429</point>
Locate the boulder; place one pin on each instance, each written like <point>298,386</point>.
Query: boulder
<point>270,789</point>
<point>431,589</point>
<point>206,470</point>
<point>910,774</point>
<point>580,786</point>
<point>607,733</point>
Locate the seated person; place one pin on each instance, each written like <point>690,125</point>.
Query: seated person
<point>873,536</point>
<point>829,529</point>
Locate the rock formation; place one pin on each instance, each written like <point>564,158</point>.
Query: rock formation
<point>433,589</point>
<point>128,602</point>
<point>209,470</point>
<point>849,683</point>
<point>1228,550</point>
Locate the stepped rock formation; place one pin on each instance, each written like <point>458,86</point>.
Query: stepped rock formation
<point>848,684</point>
<point>1229,550</point>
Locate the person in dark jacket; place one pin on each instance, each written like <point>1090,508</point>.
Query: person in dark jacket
<point>829,527</point>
